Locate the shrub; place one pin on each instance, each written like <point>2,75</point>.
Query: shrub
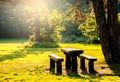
<point>43,45</point>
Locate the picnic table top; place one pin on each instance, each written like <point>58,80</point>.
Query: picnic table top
<point>72,51</point>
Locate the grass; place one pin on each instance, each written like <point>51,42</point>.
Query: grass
<point>20,64</point>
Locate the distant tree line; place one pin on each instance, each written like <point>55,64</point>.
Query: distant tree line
<point>65,21</point>
<point>12,22</point>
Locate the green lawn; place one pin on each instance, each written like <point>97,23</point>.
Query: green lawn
<point>20,64</point>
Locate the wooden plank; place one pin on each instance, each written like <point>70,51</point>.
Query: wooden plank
<point>72,51</point>
<point>55,57</point>
<point>88,57</point>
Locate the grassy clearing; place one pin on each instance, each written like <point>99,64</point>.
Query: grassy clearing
<point>19,64</point>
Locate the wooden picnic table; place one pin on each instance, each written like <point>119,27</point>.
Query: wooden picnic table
<point>71,58</point>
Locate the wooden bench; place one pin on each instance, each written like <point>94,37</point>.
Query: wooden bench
<point>55,62</point>
<point>90,64</point>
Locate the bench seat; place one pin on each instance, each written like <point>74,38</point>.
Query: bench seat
<point>90,63</point>
<point>87,57</point>
<point>55,57</point>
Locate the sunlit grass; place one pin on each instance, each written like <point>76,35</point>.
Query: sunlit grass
<point>19,64</point>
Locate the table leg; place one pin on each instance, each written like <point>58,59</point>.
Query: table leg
<point>82,63</point>
<point>59,67</point>
<point>68,62</point>
<point>52,65</point>
<point>74,63</point>
<point>91,67</point>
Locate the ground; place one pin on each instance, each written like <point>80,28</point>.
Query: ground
<point>21,64</point>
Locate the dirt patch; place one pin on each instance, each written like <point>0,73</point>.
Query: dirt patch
<point>100,69</point>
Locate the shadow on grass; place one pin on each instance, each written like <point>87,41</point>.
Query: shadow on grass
<point>14,55</point>
<point>13,40</point>
<point>21,53</point>
<point>77,76</point>
<point>115,68</point>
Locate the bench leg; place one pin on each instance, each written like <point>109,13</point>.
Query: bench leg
<point>74,64</point>
<point>68,62</point>
<point>91,67</point>
<point>59,67</point>
<point>82,61</point>
<point>52,65</point>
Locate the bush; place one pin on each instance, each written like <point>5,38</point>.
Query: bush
<point>45,45</point>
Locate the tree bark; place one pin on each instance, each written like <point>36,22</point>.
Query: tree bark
<point>108,29</point>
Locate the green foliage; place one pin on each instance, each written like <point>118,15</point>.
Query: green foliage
<point>50,28</point>
<point>82,14</point>
<point>71,32</point>
<point>89,29</point>
<point>78,11</point>
<point>54,28</point>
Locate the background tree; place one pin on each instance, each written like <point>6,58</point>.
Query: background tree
<point>81,13</point>
<point>72,34</point>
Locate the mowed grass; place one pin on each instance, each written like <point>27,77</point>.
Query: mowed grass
<point>20,64</point>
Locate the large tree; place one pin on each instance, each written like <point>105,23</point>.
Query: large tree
<point>108,29</point>
<point>107,24</point>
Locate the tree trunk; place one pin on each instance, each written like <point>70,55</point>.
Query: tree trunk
<point>108,29</point>
<point>37,32</point>
<point>113,30</point>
